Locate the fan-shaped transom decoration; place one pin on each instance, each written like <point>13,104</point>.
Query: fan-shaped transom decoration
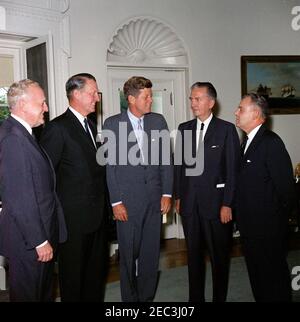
<point>146,41</point>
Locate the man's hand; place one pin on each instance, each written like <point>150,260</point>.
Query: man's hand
<point>45,253</point>
<point>120,212</point>
<point>225,215</point>
<point>177,206</point>
<point>165,204</point>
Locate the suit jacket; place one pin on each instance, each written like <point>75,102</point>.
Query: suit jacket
<point>265,192</point>
<point>215,187</point>
<point>81,183</point>
<point>31,212</point>
<point>135,184</point>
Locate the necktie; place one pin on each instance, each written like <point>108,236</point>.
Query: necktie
<point>86,127</point>
<point>34,137</point>
<point>140,137</point>
<point>201,132</point>
<point>201,135</point>
<point>140,134</point>
<point>243,145</point>
<point>39,146</point>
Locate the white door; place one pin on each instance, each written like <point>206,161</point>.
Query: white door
<point>165,84</point>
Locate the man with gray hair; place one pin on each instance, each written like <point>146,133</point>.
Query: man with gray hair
<point>205,200</point>
<point>31,222</point>
<point>265,195</point>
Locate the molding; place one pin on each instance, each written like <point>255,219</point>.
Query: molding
<point>2,18</point>
<point>146,41</point>
<point>65,35</point>
<point>64,6</point>
<point>61,6</point>
<point>27,11</point>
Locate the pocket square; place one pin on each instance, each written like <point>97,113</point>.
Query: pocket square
<point>221,185</point>
<point>214,146</point>
<point>249,161</point>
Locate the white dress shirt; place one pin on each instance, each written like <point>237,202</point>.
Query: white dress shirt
<point>81,120</point>
<point>138,133</point>
<point>206,124</point>
<point>251,136</point>
<point>24,123</point>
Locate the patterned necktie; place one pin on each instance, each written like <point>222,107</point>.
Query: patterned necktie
<point>243,145</point>
<point>86,127</point>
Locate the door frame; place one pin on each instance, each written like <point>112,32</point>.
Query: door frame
<point>115,73</point>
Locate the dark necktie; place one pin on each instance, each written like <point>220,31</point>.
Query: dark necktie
<point>86,127</point>
<point>200,142</point>
<point>39,146</point>
<point>201,132</point>
<point>243,145</point>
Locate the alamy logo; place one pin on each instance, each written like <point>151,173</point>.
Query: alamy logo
<point>296,279</point>
<point>153,148</point>
<point>296,19</point>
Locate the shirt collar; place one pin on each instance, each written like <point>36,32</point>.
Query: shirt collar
<point>133,118</point>
<point>206,122</point>
<point>252,134</point>
<point>24,123</point>
<point>79,116</point>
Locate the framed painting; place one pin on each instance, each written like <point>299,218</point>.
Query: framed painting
<point>277,78</point>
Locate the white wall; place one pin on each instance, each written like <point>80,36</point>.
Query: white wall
<point>216,33</point>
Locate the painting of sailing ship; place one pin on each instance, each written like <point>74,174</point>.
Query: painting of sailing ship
<point>277,78</point>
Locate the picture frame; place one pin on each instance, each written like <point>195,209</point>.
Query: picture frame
<point>277,78</point>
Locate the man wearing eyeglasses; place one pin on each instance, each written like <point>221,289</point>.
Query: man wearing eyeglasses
<point>70,141</point>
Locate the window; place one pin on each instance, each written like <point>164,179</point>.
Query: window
<point>3,104</point>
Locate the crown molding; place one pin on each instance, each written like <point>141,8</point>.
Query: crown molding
<point>50,10</point>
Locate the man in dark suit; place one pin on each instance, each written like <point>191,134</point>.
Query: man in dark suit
<point>70,141</point>
<point>31,222</point>
<point>139,191</point>
<point>265,194</point>
<point>204,198</point>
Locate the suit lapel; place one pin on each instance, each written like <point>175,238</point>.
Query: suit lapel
<point>26,134</point>
<point>125,118</point>
<point>40,151</point>
<point>78,129</point>
<point>255,142</point>
<point>210,131</point>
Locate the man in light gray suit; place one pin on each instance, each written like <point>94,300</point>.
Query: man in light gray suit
<point>139,192</point>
